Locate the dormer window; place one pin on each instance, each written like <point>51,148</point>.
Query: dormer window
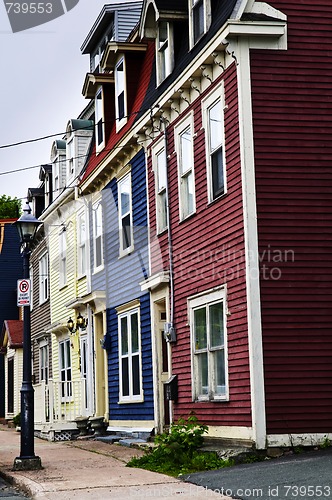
<point>70,156</point>
<point>165,51</point>
<point>99,119</point>
<point>120,91</point>
<point>200,19</point>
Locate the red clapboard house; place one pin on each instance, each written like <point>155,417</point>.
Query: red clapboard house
<point>238,151</point>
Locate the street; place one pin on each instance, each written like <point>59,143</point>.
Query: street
<point>305,476</point>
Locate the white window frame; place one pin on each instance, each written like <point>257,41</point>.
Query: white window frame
<point>62,258</point>
<point>164,52</point>
<point>43,278</point>
<point>70,155</point>
<point>126,179</point>
<point>99,119</point>
<point>98,236</point>
<point>82,244</point>
<point>207,104</point>
<point>120,87</point>
<point>193,7</point>
<point>159,154</point>
<point>130,398</point>
<point>44,361</point>
<point>200,301</point>
<point>65,370</point>
<point>184,172</point>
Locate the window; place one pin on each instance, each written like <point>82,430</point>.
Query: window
<point>63,258</point>
<point>43,363</point>
<point>130,357</point>
<point>208,331</point>
<point>70,156</point>
<point>160,166</point>
<point>43,279</point>
<point>125,215</point>
<point>82,244</point>
<point>165,51</point>
<point>65,369</point>
<point>99,118</point>
<point>120,91</point>
<point>184,146</point>
<point>97,213</point>
<point>215,152</point>
<point>200,19</point>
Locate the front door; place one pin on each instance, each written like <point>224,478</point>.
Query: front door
<point>163,365</point>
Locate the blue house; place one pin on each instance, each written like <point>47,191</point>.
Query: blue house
<point>10,270</point>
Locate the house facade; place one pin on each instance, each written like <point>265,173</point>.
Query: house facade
<point>191,240</point>
<point>11,345</point>
<point>11,268</point>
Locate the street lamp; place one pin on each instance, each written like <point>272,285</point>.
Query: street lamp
<point>27,226</point>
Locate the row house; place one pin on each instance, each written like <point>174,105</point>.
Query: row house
<point>188,234</point>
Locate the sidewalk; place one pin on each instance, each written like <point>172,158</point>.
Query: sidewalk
<point>87,470</point>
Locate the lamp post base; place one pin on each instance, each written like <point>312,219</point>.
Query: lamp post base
<point>27,463</point>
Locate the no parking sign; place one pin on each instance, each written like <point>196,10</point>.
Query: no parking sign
<point>23,292</point>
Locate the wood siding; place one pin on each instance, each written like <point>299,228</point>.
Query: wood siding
<point>40,313</point>
<point>208,251</point>
<point>292,109</point>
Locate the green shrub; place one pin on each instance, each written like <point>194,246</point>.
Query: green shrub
<point>17,420</point>
<point>176,452</point>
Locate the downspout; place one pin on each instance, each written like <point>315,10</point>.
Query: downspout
<point>170,334</point>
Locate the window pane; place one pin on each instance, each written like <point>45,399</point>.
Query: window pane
<point>98,251</point>
<point>215,122</point>
<point>121,106</point>
<point>200,328</point>
<point>217,173</point>
<point>198,14</point>
<point>161,166</point>
<point>189,193</point>
<point>186,150</point>
<point>216,312</point>
<point>136,380</point>
<point>124,336</point>
<point>62,356</point>
<point>125,196</point>
<point>219,370</point>
<point>202,361</point>
<point>125,377</point>
<point>126,232</point>
<point>162,33</point>
<point>134,333</point>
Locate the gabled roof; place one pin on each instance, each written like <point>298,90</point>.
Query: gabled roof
<point>14,330</point>
<point>154,10</point>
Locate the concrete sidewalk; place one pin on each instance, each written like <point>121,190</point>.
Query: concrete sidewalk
<point>89,470</point>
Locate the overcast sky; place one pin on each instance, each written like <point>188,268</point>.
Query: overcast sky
<point>42,75</point>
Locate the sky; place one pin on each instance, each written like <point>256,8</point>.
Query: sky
<point>42,76</point>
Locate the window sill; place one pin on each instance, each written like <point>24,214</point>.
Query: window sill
<point>98,270</point>
<point>62,287</point>
<point>187,217</point>
<point>126,252</point>
<point>131,401</point>
<point>43,301</point>
<point>220,197</point>
<point>81,277</point>
<point>214,400</point>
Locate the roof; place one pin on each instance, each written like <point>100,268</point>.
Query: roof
<point>14,329</point>
<point>103,22</point>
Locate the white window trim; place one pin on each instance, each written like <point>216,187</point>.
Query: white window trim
<point>42,345</point>
<point>82,270</point>
<point>125,251</point>
<point>207,20</point>
<point>178,131</point>
<point>139,398</point>
<point>71,159</point>
<point>207,103</point>
<point>95,206</point>
<point>168,53</point>
<point>121,122</point>
<point>203,299</point>
<point>101,118</point>
<point>63,259</point>
<point>43,278</point>
<point>67,397</point>
<point>157,148</point>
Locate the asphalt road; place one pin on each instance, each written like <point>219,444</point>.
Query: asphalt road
<point>8,492</point>
<point>306,476</point>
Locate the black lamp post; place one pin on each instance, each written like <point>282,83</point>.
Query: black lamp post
<point>27,226</point>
